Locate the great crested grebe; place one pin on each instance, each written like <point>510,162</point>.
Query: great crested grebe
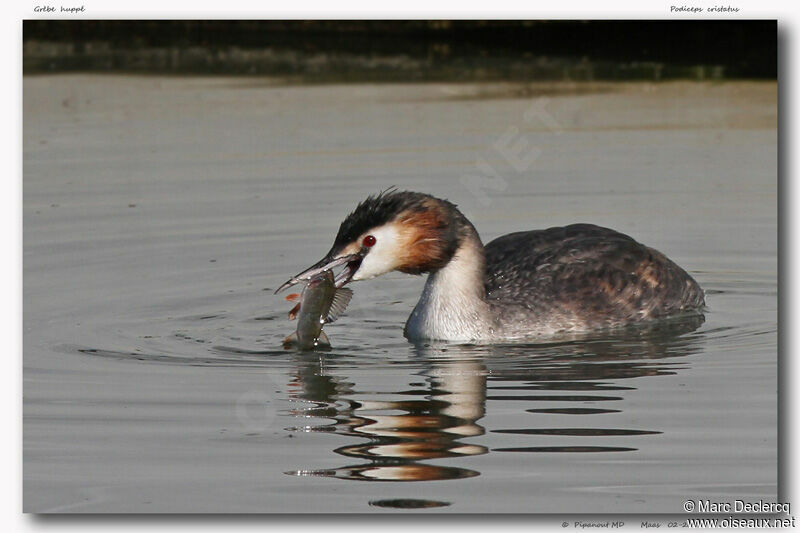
<point>527,284</point>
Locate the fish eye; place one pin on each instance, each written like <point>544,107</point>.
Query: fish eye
<point>369,241</point>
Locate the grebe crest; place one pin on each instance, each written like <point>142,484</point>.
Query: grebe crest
<point>410,232</point>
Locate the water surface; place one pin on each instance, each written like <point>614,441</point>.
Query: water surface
<point>160,214</point>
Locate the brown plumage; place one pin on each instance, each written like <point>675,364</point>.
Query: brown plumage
<point>424,232</point>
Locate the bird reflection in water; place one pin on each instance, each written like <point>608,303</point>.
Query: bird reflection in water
<point>458,381</point>
<point>428,428</point>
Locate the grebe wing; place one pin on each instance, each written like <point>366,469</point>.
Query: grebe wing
<point>587,271</point>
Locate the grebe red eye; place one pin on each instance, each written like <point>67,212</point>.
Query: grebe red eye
<point>369,241</point>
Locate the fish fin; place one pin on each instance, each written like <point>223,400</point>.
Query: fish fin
<point>292,297</point>
<point>323,339</point>
<point>294,311</point>
<point>339,304</point>
<point>290,340</point>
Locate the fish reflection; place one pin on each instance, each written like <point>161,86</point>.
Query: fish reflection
<point>441,420</point>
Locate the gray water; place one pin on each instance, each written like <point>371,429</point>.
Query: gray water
<point>161,213</point>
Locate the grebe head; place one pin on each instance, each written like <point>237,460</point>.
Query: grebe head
<point>406,231</point>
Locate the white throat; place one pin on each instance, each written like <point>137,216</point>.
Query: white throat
<point>453,304</point>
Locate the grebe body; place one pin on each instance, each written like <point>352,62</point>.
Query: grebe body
<point>523,285</point>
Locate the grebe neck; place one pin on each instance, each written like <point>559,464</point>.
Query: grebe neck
<point>453,304</point>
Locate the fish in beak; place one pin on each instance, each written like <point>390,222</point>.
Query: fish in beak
<point>329,262</point>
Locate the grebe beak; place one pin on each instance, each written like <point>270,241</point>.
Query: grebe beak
<point>353,261</point>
